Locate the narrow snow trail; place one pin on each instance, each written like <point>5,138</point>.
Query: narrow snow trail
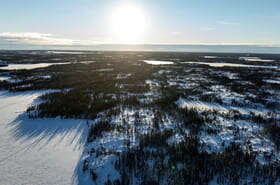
<point>40,151</point>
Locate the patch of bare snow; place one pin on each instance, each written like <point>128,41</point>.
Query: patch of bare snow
<point>247,134</point>
<point>175,139</point>
<point>46,77</point>
<point>123,75</point>
<point>86,62</point>
<point>275,81</point>
<point>104,70</point>
<point>232,76</point>
<point>217,64</point>
<point>153,83</point>
<point>161,72</point>
<point>29,66</point>
<point>198,105</point>
<point>255,59</point>
<point>210,57</point>
<point>65,52</point>
<point>157,62</point>
<point>209,106</point>
<point>4,78</point>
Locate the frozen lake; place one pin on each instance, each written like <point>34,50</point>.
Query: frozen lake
<point>28,66</point>
<point>41,151</point>
<point>157,62</point>
<point>216,64</point>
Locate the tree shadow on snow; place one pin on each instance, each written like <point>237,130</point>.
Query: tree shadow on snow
<point>74,132</point>
<point>51,131</point>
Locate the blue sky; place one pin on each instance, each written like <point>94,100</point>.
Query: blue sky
<point>88,22</point>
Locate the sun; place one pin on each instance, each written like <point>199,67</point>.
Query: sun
<point>128,24</point>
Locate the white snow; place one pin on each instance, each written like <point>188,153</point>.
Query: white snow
<point>86,62</point>
<point>209,106</point>
<point>232,76</point>
<point>275,81</point>
<point>2,78</point>
<point>65,52</point>
<point>255,59</point>
<point>9,79</point>
<point>152,83</point>
<point>218,64</point>
<point>123,75</point>
<point>29,66</point>
<point>104,70</point>
<point>175,139</point>
<point>46,76</point>
<point>210,57</point>
<point>248,134</point>
<point>102,160</point>
<point>198,105</point>
<point>157,62</point>
<point>40,151</point>
<point>161,72</point>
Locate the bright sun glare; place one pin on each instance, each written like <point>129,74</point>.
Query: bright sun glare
<point>128,24</point>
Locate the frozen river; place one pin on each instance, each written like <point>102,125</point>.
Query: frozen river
<point>37,152</point>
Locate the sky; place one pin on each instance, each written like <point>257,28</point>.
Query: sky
<point>91,23</point>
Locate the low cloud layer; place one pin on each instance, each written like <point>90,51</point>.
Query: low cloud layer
<point>33,38</point>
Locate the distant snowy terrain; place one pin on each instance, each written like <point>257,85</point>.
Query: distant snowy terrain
<point>28,66</point>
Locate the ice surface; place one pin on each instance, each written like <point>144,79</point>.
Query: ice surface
<point>255,59</point>
<point>210,57</point>
<point>29,66</point>
<point>156,62</point>
<point>65,52</point>
<point>217,64</point>
<point>40,151</point>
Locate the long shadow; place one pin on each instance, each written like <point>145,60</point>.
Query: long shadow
<point>74,132</point>
<point>41,132</point>
<point>48,131</point>
<point>7,93</point>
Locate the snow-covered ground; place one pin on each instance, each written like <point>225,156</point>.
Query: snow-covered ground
<point>218,64</point>
<point>210,57</point>
<point>255,59</point>
<point>65,52</point>
<point>2,78</point>
<point>248,134</point>
<point>41,151</point>
<point>156,62</point>
<point>28,66</point>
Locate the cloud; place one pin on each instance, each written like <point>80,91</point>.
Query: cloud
<point>36,39</point>
<point>26,39</point>
<point>228,23</point>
